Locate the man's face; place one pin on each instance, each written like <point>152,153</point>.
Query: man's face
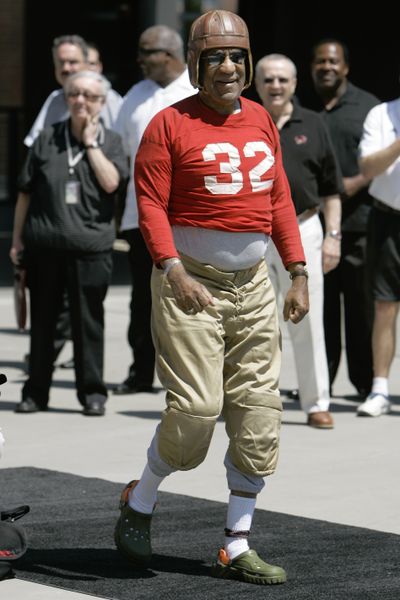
<point>328,68</point>
<point>275,84</point>
<point>153,58</point>
<point>223,76</point>
<point>84,98</point>
<point>68,59</point>
<point>93,61</point>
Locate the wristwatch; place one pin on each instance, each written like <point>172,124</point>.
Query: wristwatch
<point>169,263</point>
<point>335,234</point>
<point>94,144</point>
<point>301,272</point>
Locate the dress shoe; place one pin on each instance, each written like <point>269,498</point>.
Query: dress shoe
<point>363,393</point>
<point>26,363</point>
<point>95,408</point>
<point>28,405</point>
<point>68,364</point>
<point>132,386</point>
<point>320,420</point>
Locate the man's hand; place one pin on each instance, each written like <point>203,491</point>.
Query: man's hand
<point>16,252</point>
<point>352,185</point>
<point>191,296</point>
<point>296,302</point>
<point>330,254</point>
<point>89,130</point>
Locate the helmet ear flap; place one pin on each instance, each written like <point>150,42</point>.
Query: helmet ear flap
<point>193,62</point>
<point>249,70</point>
<point>217,29</point>
<point>200,74</point>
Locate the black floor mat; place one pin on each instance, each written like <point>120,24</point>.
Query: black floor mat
<point>70,540</point>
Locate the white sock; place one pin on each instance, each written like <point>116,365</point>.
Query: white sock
<point>239,518</point>
<point>380,385</point>
<point>144,496</point>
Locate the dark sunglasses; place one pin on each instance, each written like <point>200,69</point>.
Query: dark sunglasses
<point>215,59</point>
<point>89,97</point>
<point>150,51</point>
<point>279,79</point>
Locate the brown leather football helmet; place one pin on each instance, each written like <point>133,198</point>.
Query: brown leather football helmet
<point>217,29</point>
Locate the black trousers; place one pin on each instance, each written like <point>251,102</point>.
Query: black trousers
<point>139,330</point>
<point>63,327</point>
<point>85,277</point>
<point>346,290</point>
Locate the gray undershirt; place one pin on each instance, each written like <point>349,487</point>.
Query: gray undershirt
<point>224,250</point>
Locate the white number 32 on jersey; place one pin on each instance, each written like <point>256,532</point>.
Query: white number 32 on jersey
<point>233,167</point>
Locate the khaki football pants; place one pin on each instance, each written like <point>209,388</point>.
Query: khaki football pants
<point>226,360</point>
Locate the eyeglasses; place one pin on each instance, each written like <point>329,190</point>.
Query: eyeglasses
<point>218,58</point>
<point>149,51</point>
<point>73,62</point>
<point>89,97</point>
<point>269,80</point>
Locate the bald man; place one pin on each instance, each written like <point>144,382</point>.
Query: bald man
<point>314,178</point>
<point>161,58</point>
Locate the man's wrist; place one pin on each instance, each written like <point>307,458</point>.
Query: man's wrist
<point>299,271</point>
<point>335,234</point>
<point>169,263</point>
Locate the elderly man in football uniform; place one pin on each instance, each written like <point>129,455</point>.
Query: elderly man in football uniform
<point>211,191</point>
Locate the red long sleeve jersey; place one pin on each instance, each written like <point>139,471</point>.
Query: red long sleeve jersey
<point>198,168</point>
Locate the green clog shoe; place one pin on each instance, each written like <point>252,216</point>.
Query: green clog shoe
<point>132,531</point>
<point>248,567</point>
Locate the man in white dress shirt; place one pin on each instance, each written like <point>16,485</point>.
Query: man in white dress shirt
<point>161,58</point>
<point>380,161</point>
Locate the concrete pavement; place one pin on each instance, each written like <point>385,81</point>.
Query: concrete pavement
<point>348,475</point>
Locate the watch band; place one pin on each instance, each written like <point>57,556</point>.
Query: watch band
<point>335,234</point>
<point>171,263</point>
<point>298,273</point>
<point>92,145</point>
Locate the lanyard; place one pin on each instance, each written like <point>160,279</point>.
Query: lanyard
<point>72,160</point>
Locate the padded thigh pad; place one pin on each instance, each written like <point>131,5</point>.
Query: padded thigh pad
<point>183,439</point>
<point>253,432</point>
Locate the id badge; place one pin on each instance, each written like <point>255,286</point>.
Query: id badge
<point>72,192</point>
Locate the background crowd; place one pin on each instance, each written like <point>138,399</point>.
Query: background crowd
<point>341,223</point>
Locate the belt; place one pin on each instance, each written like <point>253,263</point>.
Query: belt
<point>310,212</point>
<point>385,208</point>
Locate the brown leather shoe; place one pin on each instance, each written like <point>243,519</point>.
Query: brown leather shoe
<point>320,420</point>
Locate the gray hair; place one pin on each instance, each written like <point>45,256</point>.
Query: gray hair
<point>74,40</point>
<point>106,85</point>
<point>168,39</point>
<point>273,57</point>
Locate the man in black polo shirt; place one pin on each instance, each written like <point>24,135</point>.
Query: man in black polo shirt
<point>345,108</point>
<point>313,175</point>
